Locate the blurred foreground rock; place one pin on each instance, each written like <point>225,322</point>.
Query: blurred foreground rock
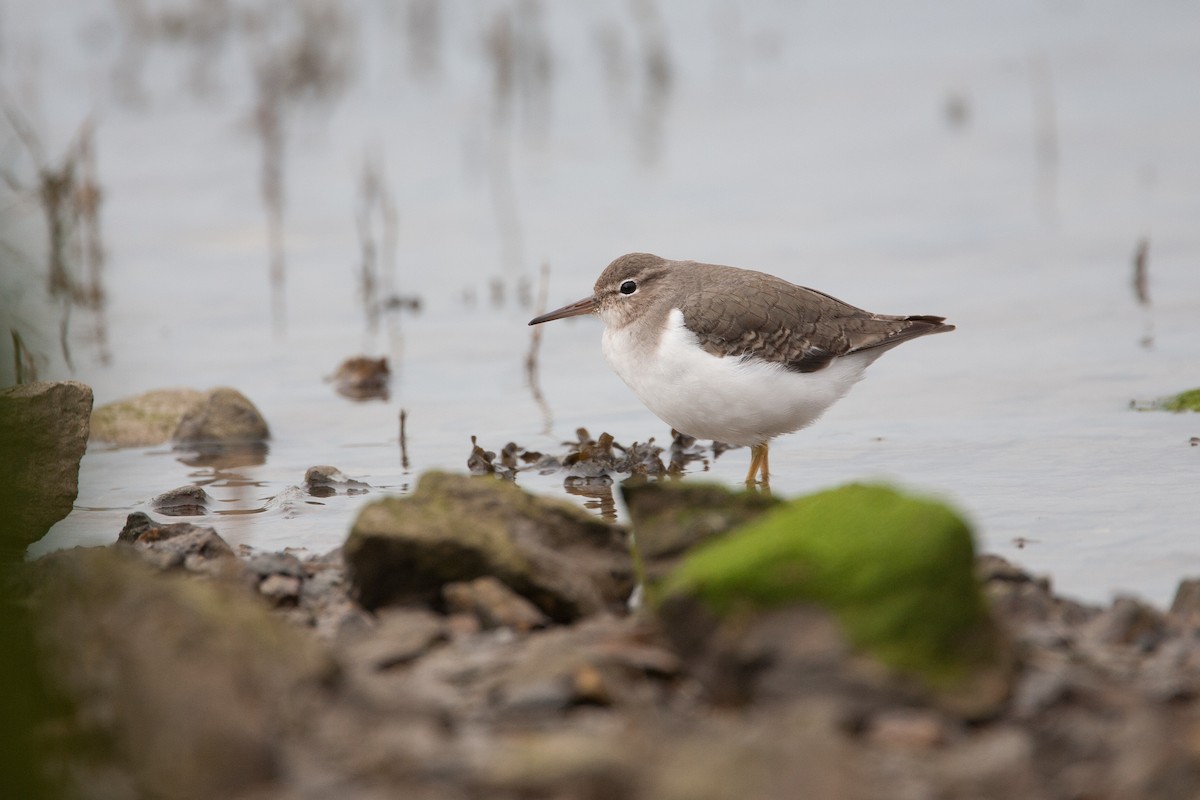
<point>263,679</point>
<point>860,570</point>
<point>187,685</point>
<point>43,435</point>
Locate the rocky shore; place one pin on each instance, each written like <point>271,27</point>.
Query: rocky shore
<point>472,640</point>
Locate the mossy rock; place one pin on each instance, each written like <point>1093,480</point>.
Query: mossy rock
<point>1184,401</point>
<point>458,528</point>
<point>186,416</point>
<point>895,571</point>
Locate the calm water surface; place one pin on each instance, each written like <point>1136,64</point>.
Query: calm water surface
<point>993,163</point>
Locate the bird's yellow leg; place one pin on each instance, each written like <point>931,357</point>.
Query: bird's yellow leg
<point>758,465</point>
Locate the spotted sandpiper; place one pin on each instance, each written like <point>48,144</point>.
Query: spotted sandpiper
<point>731,354</point>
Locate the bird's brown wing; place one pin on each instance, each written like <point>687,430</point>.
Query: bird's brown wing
<point>800,328</point>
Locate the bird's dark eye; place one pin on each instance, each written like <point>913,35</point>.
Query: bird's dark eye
<point>628,287</point>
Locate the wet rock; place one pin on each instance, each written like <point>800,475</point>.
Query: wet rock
<point>178,688</point>
<point>1127,622</point>
<point>186,501</point>
<point>326,481</point>
<point>907,728</point>
<point>222,416</point>
<point>793,752</point>
<point>178,544</point>
<point>548,674</point>
<point>362,378</point>
<point>280,589</point>
<point>1185,607</point>
<point>998,763</point>
<point>43,435</point>
<point>266,564</point>
<point>596,763</point>
<point>144,420</point>
<point>325,596</point>
<point>494,604</point>
<point>456,528</point>
<point>401,636</point>
<point>1042,685</point>
<point>670,518</point>
<point>895,572</point>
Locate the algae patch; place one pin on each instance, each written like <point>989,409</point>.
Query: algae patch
<point>1184,401</point>
<point>896,571</point>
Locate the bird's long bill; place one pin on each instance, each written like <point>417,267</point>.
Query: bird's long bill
<point>585,306</point>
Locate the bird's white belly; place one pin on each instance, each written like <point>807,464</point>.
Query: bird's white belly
<point>732,400</point>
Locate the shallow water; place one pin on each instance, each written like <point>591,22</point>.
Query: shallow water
<point>993,164</point>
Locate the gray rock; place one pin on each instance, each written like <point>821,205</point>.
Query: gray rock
<point>178,544</point>
<point>326,481</point>
<point>401,636</point>
<point>280,589</point>
<point>185,501</point>
<point>43,435</point>
<point>223,416</point>
<point>1185,608</point>
<point>267,564</point>
<point>457,528</point>
<point>1128,622</point>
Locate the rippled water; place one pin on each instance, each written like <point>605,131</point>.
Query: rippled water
<point>993,163</point>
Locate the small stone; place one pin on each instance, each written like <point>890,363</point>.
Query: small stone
<point>326,481</point>
<point>402,635</point>
<point>1038,688</point>
<point>186,501</point>
<point>588,686</point>
<point>907,729</point>
<point>535,697</point>
<point>494,604</point>
<point>1185,608</point>
<point>1128,622</point>
<point>265,564</point>
<point>280,589</point>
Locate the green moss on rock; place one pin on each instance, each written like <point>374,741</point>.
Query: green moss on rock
<point>1184,401</point>
<point>896,571</point>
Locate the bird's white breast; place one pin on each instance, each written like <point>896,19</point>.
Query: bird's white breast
<point>730,399</point>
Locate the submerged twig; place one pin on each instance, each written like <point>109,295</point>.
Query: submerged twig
<point>403,439</point>
<point>1141,277</point>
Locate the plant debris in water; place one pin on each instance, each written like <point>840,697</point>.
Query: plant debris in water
<point>362,378</point>
<point>588,460</point>
<point>1184,401</point>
